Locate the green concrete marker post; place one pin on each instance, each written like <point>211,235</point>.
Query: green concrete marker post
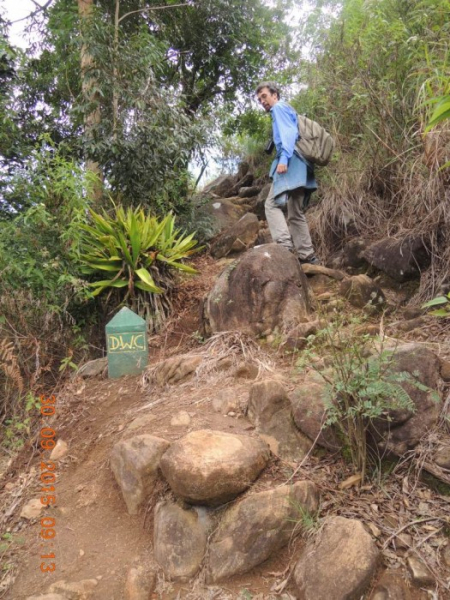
<point>126,337</point>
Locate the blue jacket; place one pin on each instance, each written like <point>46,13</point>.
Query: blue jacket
<point>300,173</point>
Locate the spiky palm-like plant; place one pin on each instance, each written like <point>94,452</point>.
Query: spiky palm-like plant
<point>140,255</point>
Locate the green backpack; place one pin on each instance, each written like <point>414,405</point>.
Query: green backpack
<point>315,143</point>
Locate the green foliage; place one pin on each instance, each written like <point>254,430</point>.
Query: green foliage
<point>441,111</point>
<point>150,73</point>
<point>219,49</point>
<point>362,385</point>
<point>139,254</point>
<point>42,209</point>
<point>17,429</point>
<point>443,302</point>
<point>372,62</point>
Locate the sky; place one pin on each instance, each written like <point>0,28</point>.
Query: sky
<point>14,10</point>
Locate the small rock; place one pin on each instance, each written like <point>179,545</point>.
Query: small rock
<point>59,450</point>
<point>93,368</point>
<point>420,574</point>
<point>75,590</point>
<point>411,324</point>
<point>361,291</point>
<point>181,419</point>
<point>380,594</point>
<point>176,369</point>
<point>139,422</point>
<point>446,555</point>
<point>81,553</point>
<point>404,541</point>
<point>247,370</point>
<point>140,583</point>
<point>225,401</point>
<point>32,509</point>
<point>47,597</point>
<point>324,297</point>
<point>412,312</point>
<point>367,329</point>
<point>319,270</point>
<point>297,338</point>
<point>9,486</point>
<point>392,586</point>
<point>445,369</point>
<point>231,414</point>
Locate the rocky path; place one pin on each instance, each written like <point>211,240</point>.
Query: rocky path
<point>198,520</point>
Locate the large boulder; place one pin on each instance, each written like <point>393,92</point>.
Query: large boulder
<point>237,238</point>
<point>400,259</point>
<point>338,563</point>
<point>212,467</point>
<point>402,429</point>
<point>135,464</point>
<point>269,410</point>
<point>180,538</point>
<point>249,192</point>
<point>264,290</point>
<point>221,213</point>
<point>257,527</point>
<point>221,186</point>
<point>245,181</point>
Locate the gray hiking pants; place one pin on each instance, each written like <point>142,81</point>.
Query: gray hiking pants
<point>291,231</point>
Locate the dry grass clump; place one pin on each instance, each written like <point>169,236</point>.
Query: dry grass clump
<point>222,352</point>
<point>407,194</point>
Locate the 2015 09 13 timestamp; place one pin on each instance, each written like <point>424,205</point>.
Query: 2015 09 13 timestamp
<point>48,480</point>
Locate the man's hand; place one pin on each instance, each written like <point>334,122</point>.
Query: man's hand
<point>282,169</point>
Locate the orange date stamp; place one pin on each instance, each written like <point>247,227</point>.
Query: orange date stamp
<point>48,480</point>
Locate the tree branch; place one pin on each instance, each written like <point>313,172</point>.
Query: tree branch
<point>39,8</point>
<point>150,8</point>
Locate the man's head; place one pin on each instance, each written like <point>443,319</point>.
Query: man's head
<point>268,94</point>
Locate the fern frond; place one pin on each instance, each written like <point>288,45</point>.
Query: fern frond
<point>10,365</point>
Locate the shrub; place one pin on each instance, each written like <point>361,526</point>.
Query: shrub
<point>361,386</point>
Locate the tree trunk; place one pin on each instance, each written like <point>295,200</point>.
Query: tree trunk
<point>93,118</point>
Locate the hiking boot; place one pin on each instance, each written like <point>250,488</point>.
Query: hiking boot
<point>311,260</point>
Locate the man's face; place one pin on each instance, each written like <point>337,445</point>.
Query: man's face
<point>267,99</point>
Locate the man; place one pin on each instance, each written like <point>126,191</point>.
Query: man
<point>292,176</point>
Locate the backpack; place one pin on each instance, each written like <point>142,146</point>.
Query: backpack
<point>315,143</point>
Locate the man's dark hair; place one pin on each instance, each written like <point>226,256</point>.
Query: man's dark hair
<point>272,87</point>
